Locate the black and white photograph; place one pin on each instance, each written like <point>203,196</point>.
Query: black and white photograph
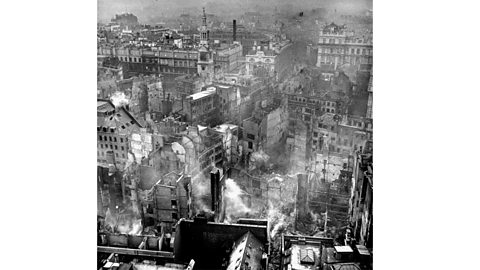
<point>238,134</point>
<point>235,135</point>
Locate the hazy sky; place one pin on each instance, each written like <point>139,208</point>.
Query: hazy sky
<point>147,10</point>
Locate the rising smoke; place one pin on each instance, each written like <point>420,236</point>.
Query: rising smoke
<point>124,223</point>
<point>234,205</point>
<point>200,193</point>
<point>119,99</point>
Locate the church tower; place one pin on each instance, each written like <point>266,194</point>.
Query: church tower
<point>205,56</point>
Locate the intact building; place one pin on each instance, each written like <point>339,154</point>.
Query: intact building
<point>155,60</point>
<point>337,47</point>
<point>261,63</point>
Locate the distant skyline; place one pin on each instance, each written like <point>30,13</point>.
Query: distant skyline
<point>148,11</point>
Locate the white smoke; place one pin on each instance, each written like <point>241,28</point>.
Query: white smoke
<point>119,99</point>
<point>277,220</point>
<point>125,223</point>
<point>200,192</point>
<point>233,201</point>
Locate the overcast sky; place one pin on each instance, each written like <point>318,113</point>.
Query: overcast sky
<point>148,10</point>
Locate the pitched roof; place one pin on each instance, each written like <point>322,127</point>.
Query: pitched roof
<point>307,255</point>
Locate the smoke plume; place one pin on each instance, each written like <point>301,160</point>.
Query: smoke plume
<point>201,194</point>
<point>234,204</point>
<point>124,223</point>
<point>119,99</point>
<point>278,221</point>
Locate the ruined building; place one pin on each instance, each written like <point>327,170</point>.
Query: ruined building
<point>361,213</point>
<point>114,127</point>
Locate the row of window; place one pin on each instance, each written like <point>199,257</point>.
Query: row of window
<point>306,100</point>
<point>327,59</point>
<point>320,125</point>
<point>110,138</point>
<point>112,147</point>
<point>156,61</point>
<point>103,154</point>
<point>171,70</point>
<point>102,160</point>
<point>340,41</point>
<point>357,51</point>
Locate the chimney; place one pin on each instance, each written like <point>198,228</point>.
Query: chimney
<point>234,30</point>
<point>215,188</point>
<point>302,194</point>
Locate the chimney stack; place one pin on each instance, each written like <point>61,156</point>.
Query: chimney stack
<point>215,188</point>
<point>234,30</point>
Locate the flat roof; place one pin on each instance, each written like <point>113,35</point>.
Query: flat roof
<point>203,94</point>
<point>343,249</point>
<point>223,127</point>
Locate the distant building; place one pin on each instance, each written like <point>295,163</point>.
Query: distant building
<point>270,59</point>
<point>228,58</point>
<point>337,47</point>
<point>168,61</point>
<point>125,19</point>
<point>260,63</point>
<point>238,33</point>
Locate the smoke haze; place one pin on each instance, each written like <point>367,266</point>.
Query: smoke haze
<point>152,11</point>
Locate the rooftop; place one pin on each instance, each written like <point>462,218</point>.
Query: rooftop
<point>305,257</point>
<point>343,249</point>
<point>104,106</point>
<point>248,251</point>
<point>202,94</point>
<point>223,127</point>
<point>206,242</point>
<point>345,266</point>
<point>261,52</point>
<point>121,121</point>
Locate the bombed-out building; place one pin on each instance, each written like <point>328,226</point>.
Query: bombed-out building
<point>114,127</point>
<point>265,128</point>
<point>202,107</point>
<point>361,213</point>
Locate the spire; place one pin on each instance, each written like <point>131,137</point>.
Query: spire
<point>204,30</point>
<point>204,18</point>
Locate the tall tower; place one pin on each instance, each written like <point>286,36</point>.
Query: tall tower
<point>205,57</point>
<point>204,34</point>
